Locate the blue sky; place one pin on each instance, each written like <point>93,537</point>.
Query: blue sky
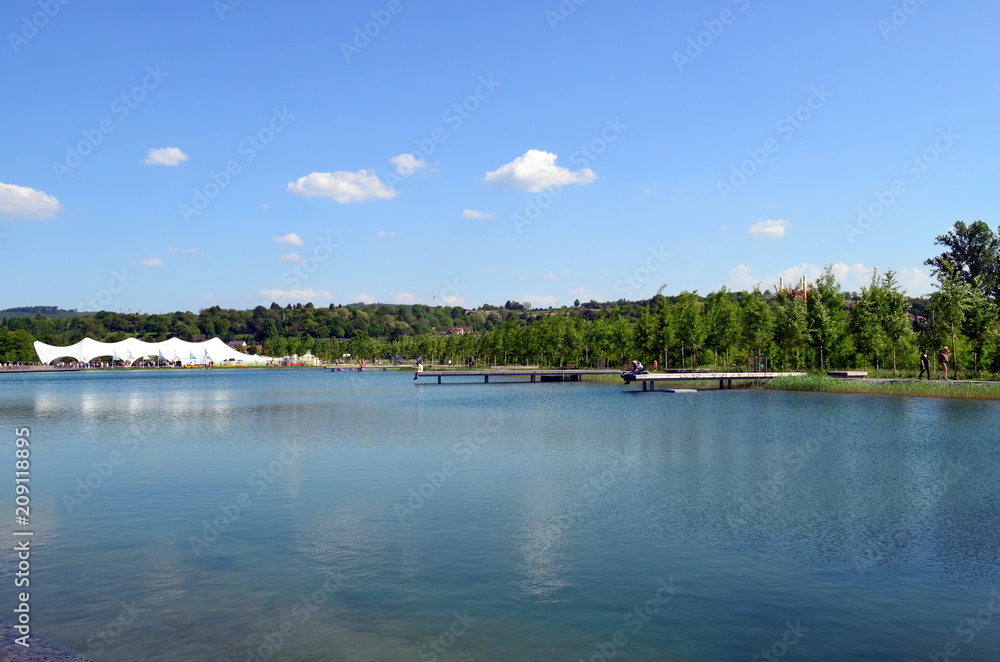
<point>174,156</point>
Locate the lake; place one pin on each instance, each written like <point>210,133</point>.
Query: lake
<point>315,515</point>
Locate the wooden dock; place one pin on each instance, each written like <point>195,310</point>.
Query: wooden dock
<point>726,379</point>
<point>533,375</point>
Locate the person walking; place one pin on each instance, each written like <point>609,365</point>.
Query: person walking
<point>925,365</point>
<point>943,357</point>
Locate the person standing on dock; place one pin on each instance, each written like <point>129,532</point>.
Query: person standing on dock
<point>925,365</point>
<point>943,357</point>
<point>420,368</point>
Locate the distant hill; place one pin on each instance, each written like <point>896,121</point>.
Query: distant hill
<point>47,311</point>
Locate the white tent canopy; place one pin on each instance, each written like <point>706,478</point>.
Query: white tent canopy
<point>133,349</point>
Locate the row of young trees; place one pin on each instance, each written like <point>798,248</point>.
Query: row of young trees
<point>880,327</point>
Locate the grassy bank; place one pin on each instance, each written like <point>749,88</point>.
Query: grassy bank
<point>934,389</point>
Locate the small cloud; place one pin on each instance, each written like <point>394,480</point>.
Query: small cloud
<point>648,190</point>
<point>477,215</point>
<point>582,292</point>
<point>265,206</point>
<point>524,277</point>
<point>23,202</point>
<point>383,233</point>
<point>168,156</point>
<point>540,301</point>
<point>208,297</point>
<point>342,186</point>
<point>913,280</point>
<point>549,276</point>
<point>454,300</point>
<point>564,272</point>
<point>290,238</point>
<point>292,257</point>
<point>723,228</point>
<point>296,295</point>
<point>772,229</point>
<point>185,251</point>
<point>534,171</point>
<point>151,261</point>
<point>407,164</point>
<point>405,297</point>
<point>364,298</point>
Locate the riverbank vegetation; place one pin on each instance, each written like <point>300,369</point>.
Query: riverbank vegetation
<point>819,327</point>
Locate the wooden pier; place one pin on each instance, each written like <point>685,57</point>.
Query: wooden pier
<point>533,375</point>
<point>726,379</point>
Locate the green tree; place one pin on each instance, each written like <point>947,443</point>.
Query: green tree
<point>722,319</point>
<point>973,256</point>
<point>825,315</point>
<point>17,347</point>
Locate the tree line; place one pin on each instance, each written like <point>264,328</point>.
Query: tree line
<point>879,327</point>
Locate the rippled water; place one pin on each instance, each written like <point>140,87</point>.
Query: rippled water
<point>309,515</point>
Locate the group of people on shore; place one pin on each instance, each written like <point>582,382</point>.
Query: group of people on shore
<point>943,358</point>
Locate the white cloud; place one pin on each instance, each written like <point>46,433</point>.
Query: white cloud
<point>473,214</point>
<point>342,186</point>
<point>549,276</point>
<point>208,297</point>
<point>524,277</point>
<point>365,298</point>
<point>407,164</point>
<point>454,300</point>
<point>540,301</point>
<point>535,171</point>
<point>769,228</point>
<point>405,297</point>
<point>582,292</point>
<point>723,228</point>
<point>383,233</point>
<point>290,238</point>
<point>151,261</point>
<point>296,295</point>
<point>168,156</point>
<point>916,281</point>
<point>292,257</point>
<point>851,277</point>
<point>563,272</point>
<point>26,203</point>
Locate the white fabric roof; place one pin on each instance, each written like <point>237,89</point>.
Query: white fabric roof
<point>132,349</point>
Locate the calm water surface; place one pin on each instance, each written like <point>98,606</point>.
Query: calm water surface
<point>309,515</point>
